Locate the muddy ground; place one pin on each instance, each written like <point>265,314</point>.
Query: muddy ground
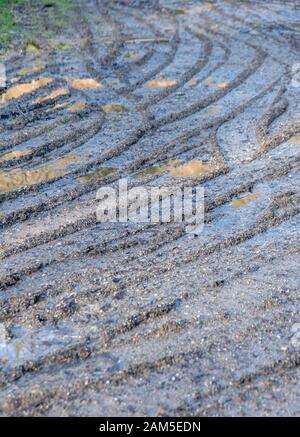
<point>147,319</point>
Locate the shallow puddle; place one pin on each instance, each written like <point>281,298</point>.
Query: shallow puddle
<point>98,174</point>
<point>31,344</point>
<point>14,154</point>
<point>85,84</point>
<point>157,170</point>
<point>213,110</point>
<point>79,106</point>
<point>53,95</point>
<point>114,107</point>
<point>57,106</point>
<point>160,83</point>
<point>242,201</point>
<point>131,55</point>
<point>15,179</point>
<point>37,66</point>
<point>222,85</point>
<point>33,47</point>
<point>192,169</point>
<point>24,88</point>
<point>295,139</point>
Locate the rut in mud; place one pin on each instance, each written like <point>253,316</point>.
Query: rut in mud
<point>131,319</point>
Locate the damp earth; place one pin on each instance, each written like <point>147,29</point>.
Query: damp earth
<point>135,319</point>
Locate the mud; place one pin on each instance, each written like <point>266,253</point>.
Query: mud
<point>145,319</point>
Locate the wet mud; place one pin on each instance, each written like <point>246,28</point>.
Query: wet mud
<point>145,319</point>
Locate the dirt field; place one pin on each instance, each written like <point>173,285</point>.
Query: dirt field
<point>147,319</point>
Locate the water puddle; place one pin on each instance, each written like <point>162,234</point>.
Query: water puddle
<point>53,95</point>
<point>62,46</point>
<point>131,55</point>
<point>85,84</point>
<point>98,174</point>
<point>57,106</point>
<point>33,48</point>
<point>192,169</point>
<point>160,83</point>
<point>30,344</point>
<point>79,106</point>
<point>15,179</point>
<point>295,139</point>
<point>157,170</point>
<point>213,110</point>
<point>222,85</point>
<point>114,107</point>
<point>36,67</point>
<point>14,154</point>
<point>242,201</point>
<point>25,88</point>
